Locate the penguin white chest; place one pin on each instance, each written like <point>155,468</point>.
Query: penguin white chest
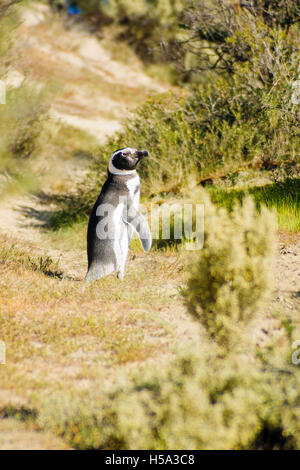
<point>133,186</point>
<point>120,240</point>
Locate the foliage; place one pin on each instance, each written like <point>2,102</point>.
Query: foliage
<point>195,402</point>
<point>223,124</point>
<point>239,114</point>
<point>8,23</point>
<point>283,197</point>
<point>21,118</point>
<point>243,116</point>
<point>220,35</point>
<point>196,35</point>
<point>159,126</point>
<point>199,400</point>
<point>233,273</point>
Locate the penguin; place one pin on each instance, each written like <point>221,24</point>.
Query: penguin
<point>115,216</point>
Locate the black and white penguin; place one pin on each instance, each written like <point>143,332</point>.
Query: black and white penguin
<point>115,216</point>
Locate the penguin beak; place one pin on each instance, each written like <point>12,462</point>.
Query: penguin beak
<point>142,154</point>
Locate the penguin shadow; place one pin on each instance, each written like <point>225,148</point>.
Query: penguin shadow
<point>41,216</point>
<point>54,210</point>
<point>40,219</point>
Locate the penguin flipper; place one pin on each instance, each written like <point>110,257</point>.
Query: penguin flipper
<point>140,225</point>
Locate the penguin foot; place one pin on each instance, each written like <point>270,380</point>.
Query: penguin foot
<point>91,277</point>
<point>98,271</point>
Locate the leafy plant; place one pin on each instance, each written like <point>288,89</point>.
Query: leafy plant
<point>195,402</point>
<point>22,117</point>
<point>232,274</point>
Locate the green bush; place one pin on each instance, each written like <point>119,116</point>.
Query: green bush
<point>221,37</point>
<point>194,402</point>
<point>21,118</point>
<point>227,118</point>
<point>233,272</point>
<point>224,124</point>
<point>9,22</point>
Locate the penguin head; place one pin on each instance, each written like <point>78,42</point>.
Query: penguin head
<point>125,160</point>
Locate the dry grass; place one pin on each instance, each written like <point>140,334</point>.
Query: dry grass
<point>63,336</point>
<point>66,334</point>
<point>66,338</point>
<point>20,436</point>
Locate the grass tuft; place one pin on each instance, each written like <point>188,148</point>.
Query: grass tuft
<point>281,197</point>
<point>11,255</point>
